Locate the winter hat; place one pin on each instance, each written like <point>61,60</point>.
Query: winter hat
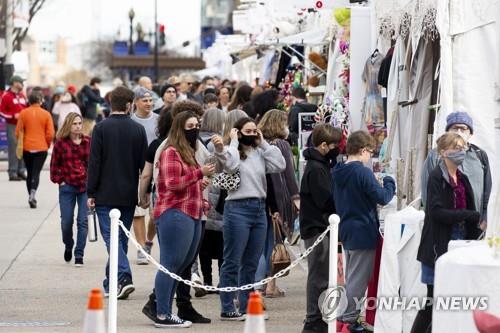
<point>459,118</point>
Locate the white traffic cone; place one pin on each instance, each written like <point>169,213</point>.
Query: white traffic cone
<point>94,317</point>
<point>254,322</point>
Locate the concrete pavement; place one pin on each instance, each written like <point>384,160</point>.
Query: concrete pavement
<point>38,288</point>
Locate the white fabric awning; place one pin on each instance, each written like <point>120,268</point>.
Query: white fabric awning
<point>312,37</point>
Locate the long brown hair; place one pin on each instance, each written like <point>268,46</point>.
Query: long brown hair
<point>65,130</point>
<point>177,137</point>
<point>231,118</point>
<point>271,124</point>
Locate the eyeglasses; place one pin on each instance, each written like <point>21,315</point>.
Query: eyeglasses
<point>459,128</point>
<point>370,151</point>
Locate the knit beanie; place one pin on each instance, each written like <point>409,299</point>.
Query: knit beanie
<point>459,118</point>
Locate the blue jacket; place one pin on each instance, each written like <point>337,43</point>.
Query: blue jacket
<point>357,192</point>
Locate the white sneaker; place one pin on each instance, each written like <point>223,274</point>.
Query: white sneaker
<point>141,258</point>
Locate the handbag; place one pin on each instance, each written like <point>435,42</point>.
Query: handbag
<point>20,145</point>
<point>227,181</point>
<point>280,258</point>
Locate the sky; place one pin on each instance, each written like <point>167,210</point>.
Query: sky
<point>84,20</point>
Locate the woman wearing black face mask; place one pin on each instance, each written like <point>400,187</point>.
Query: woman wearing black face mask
<point>245,220</point>
<point>450,215</point>
<point>178,211</point>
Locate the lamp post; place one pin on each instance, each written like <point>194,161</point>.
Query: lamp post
<point>131,15</point>
<point>156,64</point>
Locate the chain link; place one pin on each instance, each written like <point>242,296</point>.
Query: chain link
<point>225,289</point>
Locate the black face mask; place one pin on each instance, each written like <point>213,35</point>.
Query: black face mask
<point>248,140</point>
<point>332,154</point>
<point>192,136</point>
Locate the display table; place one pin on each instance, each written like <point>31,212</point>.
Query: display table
<point>466,271</point>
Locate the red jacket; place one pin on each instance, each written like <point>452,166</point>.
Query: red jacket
<point>11,106</point>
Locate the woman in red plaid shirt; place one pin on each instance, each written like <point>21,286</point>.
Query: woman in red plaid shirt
<point>68,168</point>
<point>178,211</point>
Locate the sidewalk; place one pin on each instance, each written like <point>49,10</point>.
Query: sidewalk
<point>36,285</point>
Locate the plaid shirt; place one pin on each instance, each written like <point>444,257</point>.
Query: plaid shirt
<point>69,162</point>
<point>178,185</point>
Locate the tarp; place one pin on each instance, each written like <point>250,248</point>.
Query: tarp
<point>312,37</point>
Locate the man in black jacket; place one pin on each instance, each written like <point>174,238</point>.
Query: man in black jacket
<point>117,156</point>
<point>316,205</point>
<point>299,106</point>
<point>88,98</point>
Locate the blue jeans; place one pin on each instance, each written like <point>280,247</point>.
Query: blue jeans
<point>69,196</point>
<point>127,215</point>
<point>264,267</point>
<point>179,237</point>
<point>245,227</point>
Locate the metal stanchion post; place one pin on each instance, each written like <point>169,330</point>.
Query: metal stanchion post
<point>333,264</point>
<point>113,270</point>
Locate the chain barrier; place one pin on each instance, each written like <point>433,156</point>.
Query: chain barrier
<point>225,289</point>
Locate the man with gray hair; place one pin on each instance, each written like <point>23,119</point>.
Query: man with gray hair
<point>144,116</point>
<point>145,81</point>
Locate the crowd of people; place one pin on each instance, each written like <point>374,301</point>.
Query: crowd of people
<point>207,169</point>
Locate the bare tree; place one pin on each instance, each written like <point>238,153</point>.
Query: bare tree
<point>20,33</point>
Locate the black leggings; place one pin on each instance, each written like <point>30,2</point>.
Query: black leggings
<point>211,248</point>
<point>423,321</point>
<point>34,164</point>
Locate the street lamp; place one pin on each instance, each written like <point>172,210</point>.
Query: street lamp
<point>156,65</point>
<point>131,15</point>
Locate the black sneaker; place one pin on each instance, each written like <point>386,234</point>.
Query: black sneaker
<point>78,262</point>
<point>67,255</point>
<point>172,321</point>
<point>199,292</point>
<point>32,204</point>
<point>232,316</point>
<point>149,308</point>
<point>125,288</point>
<point>190,314</point>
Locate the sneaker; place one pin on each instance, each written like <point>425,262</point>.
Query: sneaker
<point>315,326</point>
<point>172,321</point>
<point>141,258</point>
<point>149,308</point>
<point>359,327</point>
<point>198,292</point>
<point>148,246</point>
<point>67,255</point>
<point>125,288</point>
<point>32,203</point>
<point>78,262</point>
<point>190,314</point>
<point>232,316</point>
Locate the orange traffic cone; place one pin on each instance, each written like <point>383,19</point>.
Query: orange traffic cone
<point>94,317</point>
<point>254,322</point>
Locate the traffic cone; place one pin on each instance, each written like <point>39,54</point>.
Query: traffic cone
<point>94,317</point>
<point>254,322</point>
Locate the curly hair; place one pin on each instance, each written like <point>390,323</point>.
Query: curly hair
<point>187,105</point>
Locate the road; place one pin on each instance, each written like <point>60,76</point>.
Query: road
<point>38,288</point>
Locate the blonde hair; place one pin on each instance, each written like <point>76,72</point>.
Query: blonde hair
<point>449,140</point>
<point>65,130</point>
<point>272,124</point>
<point>231,118</point>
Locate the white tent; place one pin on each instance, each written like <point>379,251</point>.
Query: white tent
<point>469,71</point>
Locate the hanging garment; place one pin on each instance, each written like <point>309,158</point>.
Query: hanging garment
<point>383,78</point>
<point>373,111</point>
<point>399,269</point>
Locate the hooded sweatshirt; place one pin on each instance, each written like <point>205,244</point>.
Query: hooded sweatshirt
<point>316,199</point>
<point>357,193</point>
